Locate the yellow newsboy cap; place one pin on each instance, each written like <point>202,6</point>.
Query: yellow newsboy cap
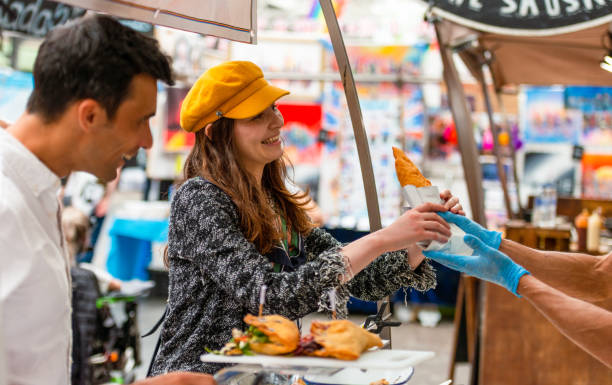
<point>235,89</point>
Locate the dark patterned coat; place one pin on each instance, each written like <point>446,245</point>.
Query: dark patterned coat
<point>216,275</point>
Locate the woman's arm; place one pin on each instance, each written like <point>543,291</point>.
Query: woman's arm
<point>205,229</point>
<point>389,273</point>
<point>583,276</point>
<point>385,275</point>
<point>587,325</point>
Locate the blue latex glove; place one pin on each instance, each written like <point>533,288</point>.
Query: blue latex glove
<point>486,263</point>
<point>489,237</point>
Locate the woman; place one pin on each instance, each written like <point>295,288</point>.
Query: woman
<point>235,227</point>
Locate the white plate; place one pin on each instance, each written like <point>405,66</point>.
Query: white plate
<point>354,376</point>
<point>378,359</point>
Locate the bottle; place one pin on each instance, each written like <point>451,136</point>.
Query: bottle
<point>593,229</point>
<point>549,206</point>
<point>581,223</point>
<point>538,207</point>
<point>552,205</point>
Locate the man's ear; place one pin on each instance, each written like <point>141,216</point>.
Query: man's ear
<point>90,114</point>
<point>208,131</point>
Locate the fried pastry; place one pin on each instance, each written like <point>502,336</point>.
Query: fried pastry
<point>407,172</point>
<point>342,339</point>
<point>282,334</point>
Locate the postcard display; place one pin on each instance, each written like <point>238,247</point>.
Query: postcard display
<point>554,120</point>
<point>393,115</point>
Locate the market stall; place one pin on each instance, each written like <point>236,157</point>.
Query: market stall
<point>538,43</point>
<point>236,20</point>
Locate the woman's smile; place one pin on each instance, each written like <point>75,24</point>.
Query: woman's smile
<point>273,140</point>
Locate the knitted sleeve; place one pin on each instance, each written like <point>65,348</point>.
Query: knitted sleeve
<point>386,274</point>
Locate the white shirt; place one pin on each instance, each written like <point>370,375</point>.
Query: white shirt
<point>35,289</point>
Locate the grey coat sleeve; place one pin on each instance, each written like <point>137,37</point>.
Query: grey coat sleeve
<point>386,274</point>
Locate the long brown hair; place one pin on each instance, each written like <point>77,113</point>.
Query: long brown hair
<point>215,159</point>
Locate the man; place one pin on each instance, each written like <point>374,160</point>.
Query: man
<point>573,291</point>
<point>94,93</point>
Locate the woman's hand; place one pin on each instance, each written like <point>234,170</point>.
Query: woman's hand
<point>415,225</point>
<point>451,203</point>
<point>415,256</point>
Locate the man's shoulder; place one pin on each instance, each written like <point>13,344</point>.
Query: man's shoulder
<point>14,214</point>
<point>11,197</point>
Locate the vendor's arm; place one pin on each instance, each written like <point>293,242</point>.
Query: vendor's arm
<point>583,276</point>
<point>587,325</point>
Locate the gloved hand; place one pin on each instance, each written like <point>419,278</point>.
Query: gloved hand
<point>489,237</point>
<point>486,263</point>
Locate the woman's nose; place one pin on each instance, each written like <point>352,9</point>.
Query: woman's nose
<point>278,119</point>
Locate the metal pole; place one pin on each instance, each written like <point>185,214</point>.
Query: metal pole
<point>496,147</point>
<point>463,122</point>
<point>502,109</point>
<point>363,150</point>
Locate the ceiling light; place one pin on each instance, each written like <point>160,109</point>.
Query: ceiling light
<point>606,62</point>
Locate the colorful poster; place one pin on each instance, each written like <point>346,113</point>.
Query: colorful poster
<point>597,176</point>
<point>545,118</point>
<point>381,60</point>
<point>301,132</point>
<point>595,103</point>
<point>380,105</point>
<point>175,138</point>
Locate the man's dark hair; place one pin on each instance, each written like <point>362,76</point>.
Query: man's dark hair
<point>94,57</point>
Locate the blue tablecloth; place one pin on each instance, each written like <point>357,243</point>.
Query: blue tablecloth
<point>130,251</point>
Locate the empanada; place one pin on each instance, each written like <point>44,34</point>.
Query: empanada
<point>407,172</point>
<point>342,339</point>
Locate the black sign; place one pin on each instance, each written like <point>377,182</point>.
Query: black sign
<point>35,17</point>
<point>516,15</point>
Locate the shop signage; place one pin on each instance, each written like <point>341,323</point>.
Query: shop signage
<point>35,17</point>
<point>525,16</point>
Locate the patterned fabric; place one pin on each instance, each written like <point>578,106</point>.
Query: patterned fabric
<point>216,275</point>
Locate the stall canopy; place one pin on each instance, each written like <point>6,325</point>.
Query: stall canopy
<point>538,42</point>
<point>230,19</point>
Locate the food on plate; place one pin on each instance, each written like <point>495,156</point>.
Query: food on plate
<point>407,172</point>
<point>272,334</point>
<point>341,339</point>
<point>277,335</point>
<point>382,381</point>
